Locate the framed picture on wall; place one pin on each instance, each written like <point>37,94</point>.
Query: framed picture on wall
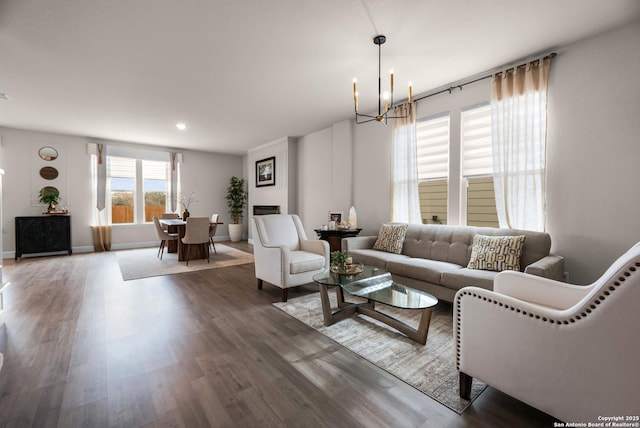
<point>266,172</point>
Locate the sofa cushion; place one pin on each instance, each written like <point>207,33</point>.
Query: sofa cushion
<point>421,269</point>
<point>303,261</point>
<point>468,277</point>
<point>375,257</point>
<point>391,237</point>
<point>496,253</point>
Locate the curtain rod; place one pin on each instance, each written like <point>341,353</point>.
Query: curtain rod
<point>451,88</point>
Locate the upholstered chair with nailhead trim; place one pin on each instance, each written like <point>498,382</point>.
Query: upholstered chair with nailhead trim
<point>570,351</point>
<point>283,255</point>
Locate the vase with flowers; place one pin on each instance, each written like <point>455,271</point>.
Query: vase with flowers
<point>186,201</point>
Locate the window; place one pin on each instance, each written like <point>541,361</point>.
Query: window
<point>155,178</point>
<point>121,173</point>
<point>138,189</point>
<point>455,168</point>
<point>433,167</point>
<point>479,203</point>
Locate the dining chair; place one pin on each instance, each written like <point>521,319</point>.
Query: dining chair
<point>212,230</point>
<point>165,216</point>
<point>169,215</point>
<point>163,236</point>
<point>197,233</point>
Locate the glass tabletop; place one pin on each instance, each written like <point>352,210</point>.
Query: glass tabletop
<point>331,278</point>
<point>376,284</point>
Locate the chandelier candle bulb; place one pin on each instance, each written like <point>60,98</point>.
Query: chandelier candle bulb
<point>355,93</point>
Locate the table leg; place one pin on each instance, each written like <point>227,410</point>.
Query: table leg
<point>419,334</point>
<point>172,246</point>
<point>344,311</point>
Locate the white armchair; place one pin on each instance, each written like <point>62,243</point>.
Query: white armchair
<point>283,255</point>
<point>570,351</point>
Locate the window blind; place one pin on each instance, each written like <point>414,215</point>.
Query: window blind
<point>476,141</point>
<point>121,172</point>
<point>433,147</point>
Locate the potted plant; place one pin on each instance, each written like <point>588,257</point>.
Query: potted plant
<point>237,202</point>
<point>341,262</point>
<point>51,196</point>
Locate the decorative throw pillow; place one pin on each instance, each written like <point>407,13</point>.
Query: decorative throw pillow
<point>391,237</point>
<point>496,253</point>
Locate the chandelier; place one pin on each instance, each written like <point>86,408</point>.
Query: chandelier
<point>382,115</point>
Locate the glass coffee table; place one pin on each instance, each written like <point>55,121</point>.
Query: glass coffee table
<point>375,285</point>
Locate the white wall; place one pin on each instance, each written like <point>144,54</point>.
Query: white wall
<point>593,153</point>
<point>284,152</point>
<point>325,176</point>
<point>315,179</point>
<point>371,172</point>
<point>207,173</point>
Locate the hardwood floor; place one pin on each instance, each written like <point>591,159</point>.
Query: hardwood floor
<point>84,348</point>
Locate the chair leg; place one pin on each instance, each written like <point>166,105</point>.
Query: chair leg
<point>160,249</point>
<point>465,386</point>
<point>214,246</point>
<point>259,283</point>
<point>285,294</point>
<point>188,251</point>
<point>207,250</point>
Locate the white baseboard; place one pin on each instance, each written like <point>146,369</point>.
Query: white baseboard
<point>132,245</point>
<point>89,248</point>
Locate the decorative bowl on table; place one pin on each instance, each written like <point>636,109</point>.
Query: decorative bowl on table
<point>347,269</point>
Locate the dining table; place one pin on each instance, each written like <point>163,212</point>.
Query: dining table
<point>179,226</point>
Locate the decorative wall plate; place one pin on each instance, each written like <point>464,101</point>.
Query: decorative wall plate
<point>48,173</point>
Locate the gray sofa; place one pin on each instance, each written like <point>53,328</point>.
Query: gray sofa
<point>434,258</point>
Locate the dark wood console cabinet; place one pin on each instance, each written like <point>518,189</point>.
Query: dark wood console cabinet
<point>43,234</point>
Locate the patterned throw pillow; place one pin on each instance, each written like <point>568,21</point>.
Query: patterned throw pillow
<point>496,253</point>
<point>391,237</point>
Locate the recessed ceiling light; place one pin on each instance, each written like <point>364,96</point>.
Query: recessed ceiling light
<point>181,126</point>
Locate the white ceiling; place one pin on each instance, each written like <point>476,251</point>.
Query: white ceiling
<point>241,73</point>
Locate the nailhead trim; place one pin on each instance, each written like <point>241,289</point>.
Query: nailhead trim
<point>613,285</point>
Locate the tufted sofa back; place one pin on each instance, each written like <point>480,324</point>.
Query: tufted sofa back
<point>453,243</point>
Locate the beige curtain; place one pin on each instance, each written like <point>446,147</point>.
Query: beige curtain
<point>101,238</point>
<point>101,229</point>
<point>405,197</point>
<point>519,128</point>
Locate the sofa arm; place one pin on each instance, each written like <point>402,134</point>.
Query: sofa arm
<point>551,267</point>
<point>537,290</point>
<point>358,243</point>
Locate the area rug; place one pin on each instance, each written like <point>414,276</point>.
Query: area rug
<point>143,263</point>
<point>429,368</point>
